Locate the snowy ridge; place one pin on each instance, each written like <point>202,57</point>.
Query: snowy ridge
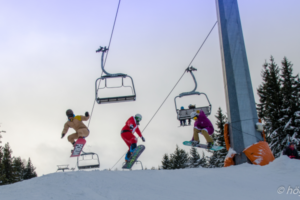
<point>236,182</point>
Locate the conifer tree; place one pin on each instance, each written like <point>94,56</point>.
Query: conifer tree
<point>269,109</point>
<point>203,161</point>
<point>194,158</point>
<point>179,159</point>
<point>2,172</point>
<point>288,131</point>
<point>29,171</point>
<point>19,169</point>
<point>166,163</point>
<point>8,165</point>
<point>218,157</point>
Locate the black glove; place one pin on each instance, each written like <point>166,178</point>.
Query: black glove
<point>87,114</point>
<point>143,139</point>
<point>63,135</point>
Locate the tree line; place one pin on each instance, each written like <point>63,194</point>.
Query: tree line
<point>14,169</point>
<point>278,107</point>
<point>181,159</point>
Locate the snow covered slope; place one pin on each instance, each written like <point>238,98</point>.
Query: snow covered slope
<point>241,182</point>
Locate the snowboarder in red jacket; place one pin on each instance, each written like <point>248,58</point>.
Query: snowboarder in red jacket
<point>127,132</point>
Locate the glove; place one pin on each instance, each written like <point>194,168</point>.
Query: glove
<point>143,139</point>
<point>87,114</point>
<point>63,135</point>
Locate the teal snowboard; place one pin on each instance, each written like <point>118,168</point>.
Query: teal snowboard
<point>135,154</point>
<point>214,148</point>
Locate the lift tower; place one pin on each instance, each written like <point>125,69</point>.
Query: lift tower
<point>241,108</point>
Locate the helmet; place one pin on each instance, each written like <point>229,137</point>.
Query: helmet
<point>70,113</point>
<point>292,142</point>
<point>138,117</point>
<point>194,114</point>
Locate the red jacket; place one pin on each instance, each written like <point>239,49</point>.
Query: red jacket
<point>132,126</point>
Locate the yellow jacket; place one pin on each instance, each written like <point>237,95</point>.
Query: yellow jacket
<point>76,123</point>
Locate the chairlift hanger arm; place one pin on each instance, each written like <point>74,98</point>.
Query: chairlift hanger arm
<point>104,50</point>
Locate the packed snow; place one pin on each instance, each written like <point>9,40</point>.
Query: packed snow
<point>278,180</point>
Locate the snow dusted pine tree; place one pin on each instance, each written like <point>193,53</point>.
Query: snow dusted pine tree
<point>218,157</point>
<point>290,109</point>
<point>194,159</point>
<point>203,161</point>
<point>269,109</point>
<point>279,105</point>
<point>166,164</point>
<point>179,159</point>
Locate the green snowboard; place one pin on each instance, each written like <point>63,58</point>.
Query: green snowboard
<point>135,154</point>
<point>214,148</point>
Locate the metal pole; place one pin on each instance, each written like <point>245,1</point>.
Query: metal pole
<point>241,108</point>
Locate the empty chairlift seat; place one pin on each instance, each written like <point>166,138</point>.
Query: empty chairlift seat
<point>88,160</point>
<point>115,99</point>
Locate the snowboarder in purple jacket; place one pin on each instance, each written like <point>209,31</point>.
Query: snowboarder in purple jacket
<point>204,126</point>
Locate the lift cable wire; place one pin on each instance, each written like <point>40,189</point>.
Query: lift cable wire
<point>176,83</point>
<point>111,35</point>
<point>181,76</point>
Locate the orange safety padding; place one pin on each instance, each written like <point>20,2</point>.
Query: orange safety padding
<point>263,134</point>
<point>259,153</point>
<point>226,136</point>
<point>228,162</point>
<point>229,159</point>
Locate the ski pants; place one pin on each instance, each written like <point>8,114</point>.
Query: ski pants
<point>128,138</point>
<point>204,133</point>
<point>83,132</point>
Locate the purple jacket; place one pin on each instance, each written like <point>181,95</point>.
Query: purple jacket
<point>204,123</point>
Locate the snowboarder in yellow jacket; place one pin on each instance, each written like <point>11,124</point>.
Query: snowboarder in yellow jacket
<point>76,123</point>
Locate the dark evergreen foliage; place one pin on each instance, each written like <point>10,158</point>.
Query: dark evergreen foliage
<point>194,160</point>
<point>166,164</point>
<point>8,166</point>
<point>2,172</point>
<point>279,104</point>
<point>179,159</point>
<point>29,171</point>
<point>218,157</point>
<point>19,169</point>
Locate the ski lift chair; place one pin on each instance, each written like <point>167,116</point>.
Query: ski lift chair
<point>84,157</point>
<point>184,114</point>
<point>116,99</point>
<point>62,168</point>
<point>136,162</point>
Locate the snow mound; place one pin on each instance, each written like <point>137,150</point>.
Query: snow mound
<point>236,182</point>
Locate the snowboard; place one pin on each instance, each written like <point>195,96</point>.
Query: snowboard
<point>135,154</point>
<point>214,148</point>
<point>78,147</point>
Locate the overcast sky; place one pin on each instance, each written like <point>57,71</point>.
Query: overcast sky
<point>48,65</point>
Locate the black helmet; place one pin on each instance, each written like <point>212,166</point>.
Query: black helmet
<point>70,113</point>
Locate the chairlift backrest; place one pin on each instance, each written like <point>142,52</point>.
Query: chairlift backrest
<point>116,99</point>
<point>95,159</point>
<point>183,114</point>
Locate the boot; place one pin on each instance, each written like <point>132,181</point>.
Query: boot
<point>210,145</point>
